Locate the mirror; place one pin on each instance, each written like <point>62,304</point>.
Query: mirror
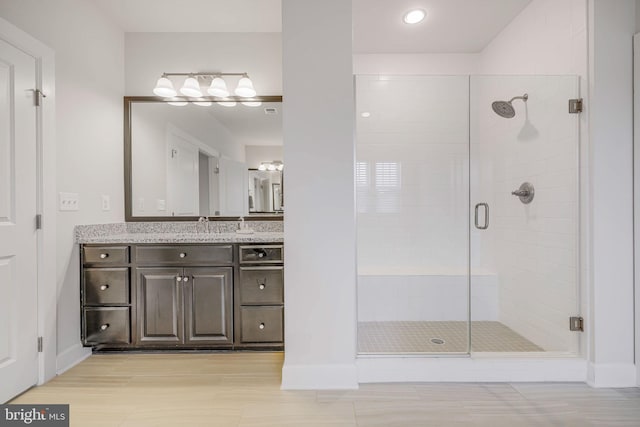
<point>186,159</point>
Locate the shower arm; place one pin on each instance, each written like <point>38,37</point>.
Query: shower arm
<point>523,97</point>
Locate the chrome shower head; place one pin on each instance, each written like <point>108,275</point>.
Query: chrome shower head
<point>505,108</point>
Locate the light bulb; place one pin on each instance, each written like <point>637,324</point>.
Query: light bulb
<point>191,88</point>
<point>227,103</point>
<point>164,88</point>
<point>271,167</point>
<point>262,167</point>
<point>245,88</point>
<point>218,88</point>
<point>414,16</point>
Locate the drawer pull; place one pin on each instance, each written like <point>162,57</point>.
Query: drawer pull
<point>179,279</point>
<point>261,326</point>
<point>104,287</point>
<point>185,279</point>
<point>261,255</point>
<point>104,255</point>
<point>183,255</point>
<point>262,286</point>
<point>104,327</point>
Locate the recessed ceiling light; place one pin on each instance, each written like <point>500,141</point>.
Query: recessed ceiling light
<point>414,16</point>
<point>365,114</point>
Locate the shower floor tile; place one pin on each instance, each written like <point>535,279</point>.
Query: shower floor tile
<point>416,337</point>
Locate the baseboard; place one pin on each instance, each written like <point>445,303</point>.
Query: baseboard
<point>450,369</point>
<point>319,377</point>
<point>71,357</point>
<point>602,375</point>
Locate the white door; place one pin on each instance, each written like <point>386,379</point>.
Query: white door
<point>18,193</point>
<point>234,188</point>
<point>182,177</point>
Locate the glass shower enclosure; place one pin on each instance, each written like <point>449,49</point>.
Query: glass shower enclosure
<point>467,214</point>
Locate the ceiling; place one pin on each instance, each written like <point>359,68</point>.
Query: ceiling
<point>250,125</point>
<point>195,16</point>
<point>451,26</point>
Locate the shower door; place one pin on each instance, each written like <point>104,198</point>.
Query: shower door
<point>412,190</point>
<point>524,246</point>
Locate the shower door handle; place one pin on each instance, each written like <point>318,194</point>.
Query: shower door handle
<point>486,216</point>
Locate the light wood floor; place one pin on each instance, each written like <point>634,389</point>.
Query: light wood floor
<point>243,389</point>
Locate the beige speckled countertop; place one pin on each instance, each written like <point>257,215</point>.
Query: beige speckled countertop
<point>173,232</point>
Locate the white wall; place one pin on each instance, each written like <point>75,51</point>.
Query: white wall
<point>89,88</point>
<point>611,27</point>
<point>320,303</point>
<point>255,154</point>
<point>419,63</point>
<point>148,55</point>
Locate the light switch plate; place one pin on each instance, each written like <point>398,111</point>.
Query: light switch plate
<point>106,202</point>
<point>68,202</point>
<point>161,205</point>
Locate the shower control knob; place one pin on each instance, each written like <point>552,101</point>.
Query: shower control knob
<point>525,193</point>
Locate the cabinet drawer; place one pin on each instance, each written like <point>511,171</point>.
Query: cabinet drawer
<point>106,286</point>
<point>261,324</point>
<point>106,254</point>
<point>184,254</point>
<point>261,254</point>
<point>107,325</point>
<point>261,285</point>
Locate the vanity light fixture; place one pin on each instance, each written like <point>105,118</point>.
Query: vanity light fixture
<point>414,16</point>
<point>227,103</point>
<point>271,166</point>
<point>252,103</point>
<point>191,86</point>
<point>178,103</point>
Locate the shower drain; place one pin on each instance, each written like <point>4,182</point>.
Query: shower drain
<point>437,341</point>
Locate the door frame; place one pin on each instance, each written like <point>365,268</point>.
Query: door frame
<point>636,196</point>
<point>46,196</point>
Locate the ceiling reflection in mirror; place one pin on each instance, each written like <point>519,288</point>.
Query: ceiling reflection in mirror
<point>204,159</point>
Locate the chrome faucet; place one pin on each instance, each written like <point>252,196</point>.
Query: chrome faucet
<point>205,223</point>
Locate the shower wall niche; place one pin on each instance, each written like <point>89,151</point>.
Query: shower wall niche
<point>429,150</point>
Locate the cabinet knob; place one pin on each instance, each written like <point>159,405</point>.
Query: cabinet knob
<point>260,254</point>
<point>183,255</point>
<point>261,326</point>
<point>104,327</point>
<point>104,287</point>
<point>262,286</point>
<point>179,279</point>
<point>103,256</point>
<point>185,279</point>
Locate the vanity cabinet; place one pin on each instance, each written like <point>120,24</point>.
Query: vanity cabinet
<point>157,296</point>
<point>107,301</point>
<point>190,306</point>
<point>260,296</point>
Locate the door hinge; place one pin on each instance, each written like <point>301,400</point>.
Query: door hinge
<point>575,106</point>
<point>39,344</point>
<point>39,222</point>
<point>38,96</point>
<point>576,324</point>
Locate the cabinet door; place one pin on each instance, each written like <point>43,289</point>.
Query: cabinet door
<point>160,307</point>
<point>208,297</point>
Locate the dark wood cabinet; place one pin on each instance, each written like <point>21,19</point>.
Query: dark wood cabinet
<point>184,296</point>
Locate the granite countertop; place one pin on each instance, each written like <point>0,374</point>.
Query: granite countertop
<point>179,232</point>
<point>258,237</point>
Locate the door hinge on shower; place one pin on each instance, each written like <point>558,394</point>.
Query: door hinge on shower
<point>575,106</point>
<point>39,344</point>
<point>576,324</point>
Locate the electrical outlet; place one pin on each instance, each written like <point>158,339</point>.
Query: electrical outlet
<point>161,204</point>
<point>68,202</point>
<point>106,202</point>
